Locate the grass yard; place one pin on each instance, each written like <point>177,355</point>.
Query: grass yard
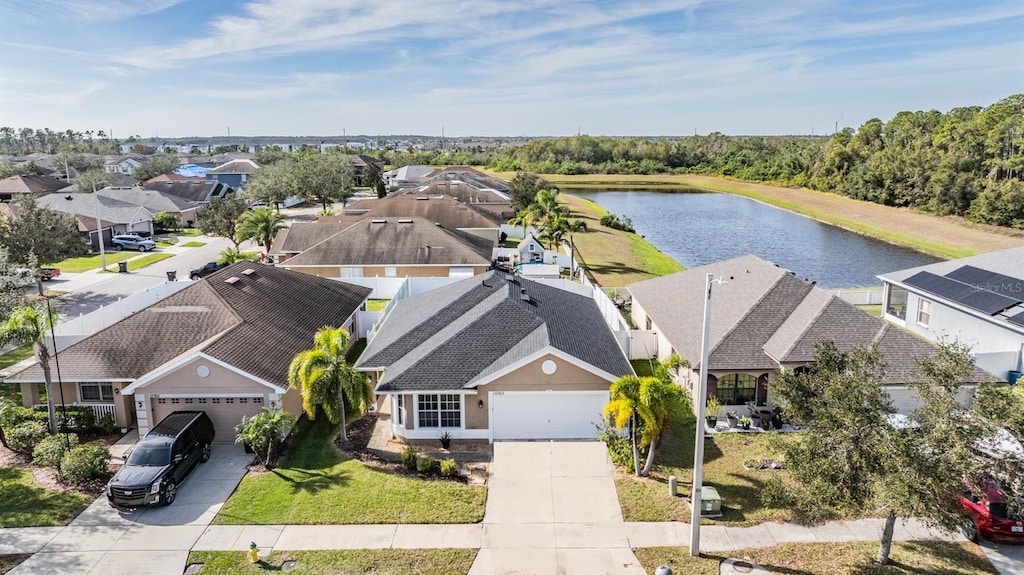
<point>344,562</point>
<point>647,499</point>
<point>873,309</point>
<point>615,258</point>
<point>315,484</point>
<point>188,233</point>
<point>146,260</point>
<point>376,304</point>
<point>25,504</point>
<point>910,557</point>
<point>193,244</point>
<point>15,355</point>
<point>86,263</point>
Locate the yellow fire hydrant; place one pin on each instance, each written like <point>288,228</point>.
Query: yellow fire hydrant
<point>254,553</point>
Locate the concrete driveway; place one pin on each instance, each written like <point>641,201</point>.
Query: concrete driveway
<point>1008,559</point>
<point>552,508</point>
<point>156,540</point>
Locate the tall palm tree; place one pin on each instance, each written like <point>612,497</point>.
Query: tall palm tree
<point>556,229</point>
<point>325,378</point>
<point>28,326</point>
<point>260,225</point>
<point>526,217</point>
<point>658,399</point>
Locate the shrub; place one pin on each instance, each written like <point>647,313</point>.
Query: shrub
<point>620,449</point>
<point>106,424</point>
<point>265,432</point>
<point>426,464</point>
<point>449,468</point>
<point>51,450</point>
<point>75,418</point>
<point>24,436</point>
<point>409,458</point>
<point>612,221</point>
<point>21,414</point>
<point>85,462</point>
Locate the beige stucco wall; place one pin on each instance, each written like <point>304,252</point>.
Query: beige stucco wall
<point>124,411</point>
<point>567,377</point>
<point>185,380</point>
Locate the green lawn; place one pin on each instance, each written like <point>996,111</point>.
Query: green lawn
<point>188,232</point>
<point>317,484</point>
<point>511,242</point>
<point>15,355</point>
<point>345,562</point>
<point>911,557</point>
<point>355,351</point>
<point>148,259</point>
<point>86,263</point>
<point>193,244</point>
<point>873,309</point>
<point>376,304</point>
<point>647,499</point>
<point>24,504</point>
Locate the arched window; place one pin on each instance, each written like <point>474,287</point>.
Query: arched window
<point>736,388</point>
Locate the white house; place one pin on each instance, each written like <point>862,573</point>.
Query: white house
<point>977,300</point>
<point>122,165</point>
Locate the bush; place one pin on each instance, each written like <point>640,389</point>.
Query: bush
<point>24,437</point>
<point>21,414</point>
<point>426,464</point>
<point>85,462</point>
<point>449,468</point>
<point>265,432</point>
<point>106,424</point>
<point>620,449</point>
<point>51,450</point>
<point>76,418</point>
<point>409,458</point>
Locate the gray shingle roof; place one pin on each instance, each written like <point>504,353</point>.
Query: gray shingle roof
<point>1007,262</point>
<point>256,324</point>
<point>765,317</point>
<point>454,337</point>
<point>418,242</point>
<point>153,200</point>
<point>91,205</point>
<point>192,191</point>
<point>301,236</point>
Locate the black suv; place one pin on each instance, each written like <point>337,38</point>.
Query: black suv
<point>162,460</point>
<point>206,270</point>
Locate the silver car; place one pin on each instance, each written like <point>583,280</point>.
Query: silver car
<point>132,242</point>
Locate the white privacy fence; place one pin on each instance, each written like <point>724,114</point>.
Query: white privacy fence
<point>859,296</point>
<point>638,343</point>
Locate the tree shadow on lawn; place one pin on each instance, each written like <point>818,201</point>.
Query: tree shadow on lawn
<point>775,569</point>
<point>309,481</point>
<point>948,553</point>
<point>21,503</point>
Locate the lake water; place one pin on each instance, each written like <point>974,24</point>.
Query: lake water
<point>703,228</point>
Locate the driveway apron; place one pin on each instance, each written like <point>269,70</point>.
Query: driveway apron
<point>552,509</point>
<point>155,540</point>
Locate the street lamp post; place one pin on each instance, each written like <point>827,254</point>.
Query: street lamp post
<point>702,388</point>
<point>99,229</point>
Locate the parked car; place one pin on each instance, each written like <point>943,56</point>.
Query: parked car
<point>206,270</point>
<point>985,501</point>
<point>132,242</point>
<point>161,461</point>
<point>24,275</point>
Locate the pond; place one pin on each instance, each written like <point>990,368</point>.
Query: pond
<point>698,228</point>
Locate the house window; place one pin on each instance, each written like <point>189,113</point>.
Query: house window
<point>442,410</point>
<point>96,391</point>
<point>400,409</point>
<point>351,272</point>
<point>736,388</point>
<point>897,303</point>
<point>390,271</point>
<point>924,312</point>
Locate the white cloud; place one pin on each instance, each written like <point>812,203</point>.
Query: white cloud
<point>89,10</point>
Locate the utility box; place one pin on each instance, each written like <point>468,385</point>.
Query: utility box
<point>710,502</point>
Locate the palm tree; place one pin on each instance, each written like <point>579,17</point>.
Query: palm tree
<point>658,399</point>
<point>326,378</point>
<point>526,217</point>
<point>260,225</point>
<point>231,255</point>
<point>622,409</point>
<point>556,229</point>
<point>28,326</point>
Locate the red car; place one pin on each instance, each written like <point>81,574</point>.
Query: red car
<point>993,520</point>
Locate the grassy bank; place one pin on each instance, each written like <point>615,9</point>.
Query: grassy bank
<point>946,237</point>
<point>615,258</point>
<point>353,561</point>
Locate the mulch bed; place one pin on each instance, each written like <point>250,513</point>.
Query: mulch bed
<point>8,562</point>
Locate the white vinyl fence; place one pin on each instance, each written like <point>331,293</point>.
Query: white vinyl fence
<point>859,296</point>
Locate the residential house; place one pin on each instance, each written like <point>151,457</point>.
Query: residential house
<point>156,201</point>
<point>360,163</point>
<point>301,236</point>
<point>395,248</point>
<point>17,187</point>
<point>977,300</point>
<point>765,319</point>
<point>221,345</point>
<point>193,190</point>
<point>406,176</point>
<point>469,186</point>
<point>122,165</point>
<point>494,357</point>
<point>119,216</point>
<point>234,173</point>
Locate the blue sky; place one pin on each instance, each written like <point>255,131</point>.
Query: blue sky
<point>498,67</point>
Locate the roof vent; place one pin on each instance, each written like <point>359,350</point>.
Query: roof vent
<point>248,272</point>
<point>231,280</point>
<point>405,221</point>
<point>378,221</point>
<point>524,296</point>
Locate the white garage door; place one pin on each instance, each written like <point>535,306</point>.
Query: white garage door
<point>546,414</point>
<point>224,412</point>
